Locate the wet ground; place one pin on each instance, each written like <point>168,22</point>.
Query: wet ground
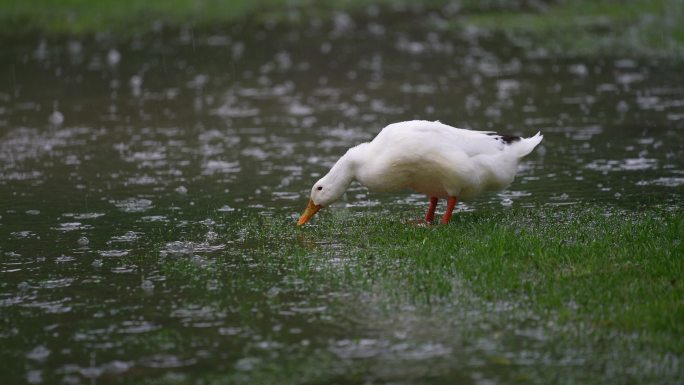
<point>115,153</point>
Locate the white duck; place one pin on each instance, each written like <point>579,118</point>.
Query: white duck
<point>429,157</point>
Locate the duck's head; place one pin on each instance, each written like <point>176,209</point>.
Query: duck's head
<point>331,187</point>
<point>324,192</point>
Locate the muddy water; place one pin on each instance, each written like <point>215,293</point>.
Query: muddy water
<point>114,151</point>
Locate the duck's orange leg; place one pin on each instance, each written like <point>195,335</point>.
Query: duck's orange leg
<point>451,203</point>
<point>430,215</point>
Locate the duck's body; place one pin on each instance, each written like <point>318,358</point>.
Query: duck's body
<point>429,157</point>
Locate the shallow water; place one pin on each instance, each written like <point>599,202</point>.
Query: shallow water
<point>120,156</point>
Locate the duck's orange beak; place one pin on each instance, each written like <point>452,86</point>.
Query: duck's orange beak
<point>309,212</point>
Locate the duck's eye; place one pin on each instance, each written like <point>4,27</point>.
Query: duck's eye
<point>319,188</point>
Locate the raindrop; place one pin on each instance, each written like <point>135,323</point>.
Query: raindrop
<point>622,106</point>
<point>198,81</point>
<point>579,70</point>
<point>182,190</point>
<point>198,260</point>
<point>507,87</point>
<point>41,53</point>
<point>75,47</point>
<point>34,377</point>
<point>247,363</point>
<point>39,353</point>
<point>133,205</point>
<point>238,49</point>
<point>272,292</point>
<point>326,47</point>
<point>342,22</point>
<point>23,286</point>
<point>113,57</point>
<point>56,118</point>
<point>117,367</point>
<point>299,109</point>
<point>136,83</point>
<point>226,209</point>
<point>83,241</point>
<point>113,253</point>
<point>147,286</point>
<point>97,263</point>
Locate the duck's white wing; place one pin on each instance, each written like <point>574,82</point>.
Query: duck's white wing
<point>436,136</point>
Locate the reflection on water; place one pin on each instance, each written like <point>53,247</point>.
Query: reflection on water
<point>108,144</point>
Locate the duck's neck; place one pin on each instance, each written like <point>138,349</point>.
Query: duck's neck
<point>344,171</point>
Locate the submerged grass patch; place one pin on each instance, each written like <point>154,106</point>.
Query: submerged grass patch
<point>608,271</point>
<point>590,294</point>
<point>552,285</point>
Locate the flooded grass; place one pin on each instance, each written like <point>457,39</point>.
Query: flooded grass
<point>617,269</point>
<point>575,283</point>
<point>503,295</point>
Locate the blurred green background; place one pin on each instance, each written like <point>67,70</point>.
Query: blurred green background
<point>636,27</point>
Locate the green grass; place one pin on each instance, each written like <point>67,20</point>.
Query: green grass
<point>126,17</point>
<point>121,17</point>
<point>622,271</point>
<point>581,27</point>
<point>600,283</point>
<point>605,272</point>
<point>607,27</point>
